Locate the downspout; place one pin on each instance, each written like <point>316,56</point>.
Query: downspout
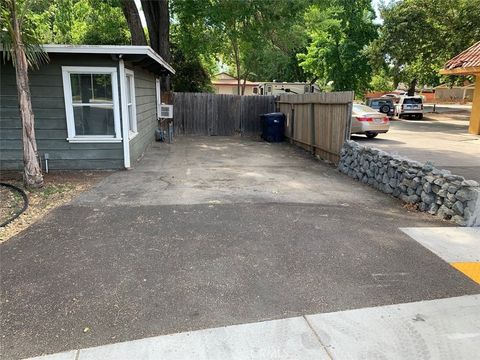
<point>124,112</point>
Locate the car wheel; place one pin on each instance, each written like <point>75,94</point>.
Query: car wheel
<point>385,109</point>
<point>420,116</point>
<point>371,135</point>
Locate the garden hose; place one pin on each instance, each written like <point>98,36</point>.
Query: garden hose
<point>25,203</point>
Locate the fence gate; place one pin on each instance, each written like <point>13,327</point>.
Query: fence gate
<point>318,122</point>
<point>219,114</point>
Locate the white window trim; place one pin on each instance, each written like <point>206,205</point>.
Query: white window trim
<point>158,94</point>
<point>125,125</point>
<point>134,132</point>
<point>67,91</point>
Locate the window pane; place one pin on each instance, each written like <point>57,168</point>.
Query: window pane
<point>93,120</point>
<point>129,84</point>
<point>412,101</point>
<point>91,88</point>
<point>131,125</point>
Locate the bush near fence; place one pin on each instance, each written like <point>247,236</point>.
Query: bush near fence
<point>435,191</point>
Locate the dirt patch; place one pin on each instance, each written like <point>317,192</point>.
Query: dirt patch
<point>60,187</point>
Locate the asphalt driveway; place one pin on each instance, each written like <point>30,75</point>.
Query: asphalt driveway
<point>210,232</point>
<point>442,138</point>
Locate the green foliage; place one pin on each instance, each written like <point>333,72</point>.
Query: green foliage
<point>339,31</point>
<point>33,51</point>
<point>419,36</point>
<point>93,22</point>
<point>191,75</point>
<point>258,40</point>
<point>381,82</point>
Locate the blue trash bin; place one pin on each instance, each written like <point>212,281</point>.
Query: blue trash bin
<point>273,126</point>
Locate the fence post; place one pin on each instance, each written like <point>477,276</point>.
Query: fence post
<point>312,127</point>
<point>292,130</point>
<point>348,128</point>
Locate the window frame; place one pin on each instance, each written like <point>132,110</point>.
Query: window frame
<point>67,92</point>
<point>134,131</point>
<point>158,96</point>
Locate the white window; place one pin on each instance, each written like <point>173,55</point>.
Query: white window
<point>130,101</point>
<point>159,97</point>
<point>91,104</point>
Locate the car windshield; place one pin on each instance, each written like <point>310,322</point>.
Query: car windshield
<point>378,103</point>
<point>358,108</point>
<point>412,100</point>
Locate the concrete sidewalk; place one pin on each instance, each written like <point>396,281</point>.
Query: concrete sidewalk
<point>211,232</point>
<point>437,329</point>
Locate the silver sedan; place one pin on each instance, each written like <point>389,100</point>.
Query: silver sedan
<point>368,121</point>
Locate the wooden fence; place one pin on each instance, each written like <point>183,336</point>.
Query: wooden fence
<point>219,114</point>
<point>318,122</point>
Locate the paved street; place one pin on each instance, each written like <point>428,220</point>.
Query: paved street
<point>447,108</point>
<point>213,232</point>
<point>441,138</point>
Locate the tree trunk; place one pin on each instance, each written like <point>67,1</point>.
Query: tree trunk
<point>237,64</point>
<point>158,24</point>
<point>134,23</point>
<point>32,173</point>
<point>411,87</point>
<point>244,85</point>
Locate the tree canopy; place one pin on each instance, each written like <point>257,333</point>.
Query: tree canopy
<point>419,36</point>
<point>339,31</point>
<point>339,44</point>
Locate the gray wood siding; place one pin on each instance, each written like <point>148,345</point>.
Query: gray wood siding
<point>50,120</point>
<point>146,108</point>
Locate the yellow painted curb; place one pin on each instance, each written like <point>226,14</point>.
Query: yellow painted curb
<point>471,269</point>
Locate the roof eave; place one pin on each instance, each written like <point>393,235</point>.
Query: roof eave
<point>109,49</point>
<point>461,71</point>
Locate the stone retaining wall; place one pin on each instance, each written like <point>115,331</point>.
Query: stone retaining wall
<point>435,191</point>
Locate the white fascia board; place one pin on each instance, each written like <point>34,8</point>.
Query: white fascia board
<point>108,49</point>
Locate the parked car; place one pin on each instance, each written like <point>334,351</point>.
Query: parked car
<point>395,96</point>
<point>368,121</point>
<point>383,105</point>
<point>410,106</point>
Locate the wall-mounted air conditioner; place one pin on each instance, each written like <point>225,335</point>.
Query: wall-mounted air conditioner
<point>166,111</point>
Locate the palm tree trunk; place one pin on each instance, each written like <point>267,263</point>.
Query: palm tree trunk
<point>32,174</point>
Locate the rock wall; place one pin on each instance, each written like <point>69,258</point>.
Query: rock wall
<point>435,191</point>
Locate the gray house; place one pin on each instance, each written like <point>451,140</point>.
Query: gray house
<point>96,107</point>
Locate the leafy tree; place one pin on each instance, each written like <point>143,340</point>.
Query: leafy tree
<point>99,22</point>
<point>381,82</point>
<point>257,39</point>
<point>94,22</point>
<point>339,31</point>
<point>274,39</point>
<point>191,75</point>
<point>21,46</point>
<point>419,36</point>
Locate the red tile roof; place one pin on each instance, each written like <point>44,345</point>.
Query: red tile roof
<point>466,59</point>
